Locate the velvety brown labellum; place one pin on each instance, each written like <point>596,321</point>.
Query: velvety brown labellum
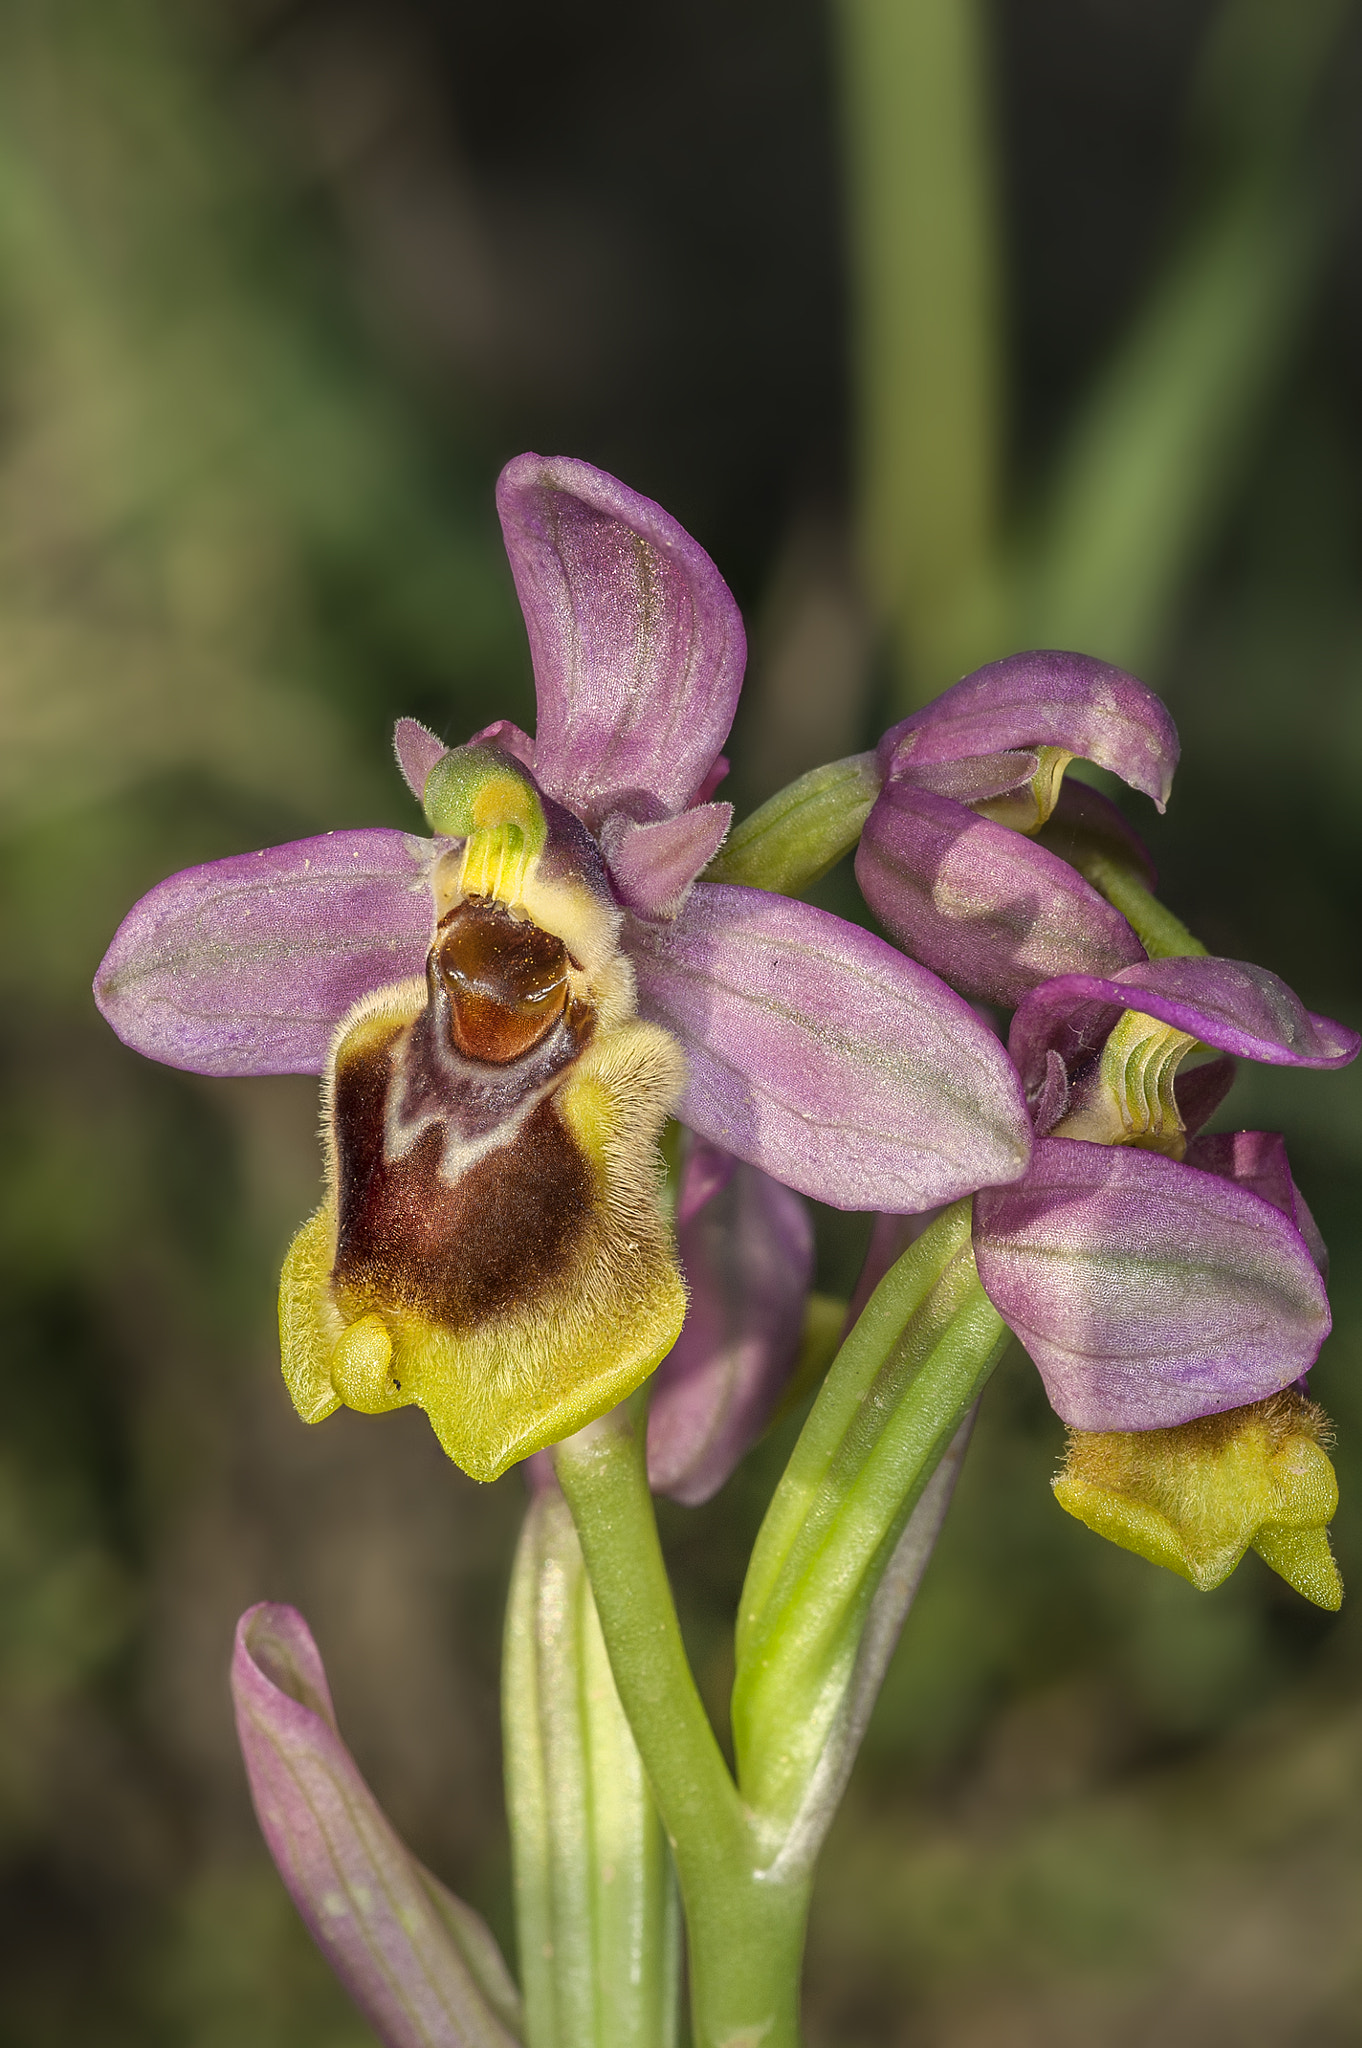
<point>457,1252</point>
<point>460,1190</point>
<point>505,979</point>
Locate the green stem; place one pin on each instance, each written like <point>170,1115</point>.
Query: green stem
<point>596,1906</point>
<point>602,1474</point>
<point>895,1396</point>
<point>1163,936</point>
<point>840,1553</point>
<point>746,1933</point>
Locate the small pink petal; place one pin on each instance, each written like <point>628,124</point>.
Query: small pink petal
<point>417,750</point>
<point>654,866</point>
<point>717,774</point>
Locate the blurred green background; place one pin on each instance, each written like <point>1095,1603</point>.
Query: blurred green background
<point>946,332</point>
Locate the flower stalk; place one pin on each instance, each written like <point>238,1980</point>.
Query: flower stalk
<point>745,1934</point>
<point>596,1906</point>
<point>832,1575</point>
<point>894,1398</point>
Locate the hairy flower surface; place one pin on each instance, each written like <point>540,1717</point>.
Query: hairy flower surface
<point>506,1011</point>
<point>949,861</point>
<point>1195,1499</point>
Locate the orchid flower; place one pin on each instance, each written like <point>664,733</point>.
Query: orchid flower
<point>1155,1275</point>
<point>506,1011</point>
<point>1159,1277</point>
<point>1168,1285</point>
<point>949,859</point>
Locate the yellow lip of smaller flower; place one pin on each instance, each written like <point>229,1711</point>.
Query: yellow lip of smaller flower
<point>1195,1498</point>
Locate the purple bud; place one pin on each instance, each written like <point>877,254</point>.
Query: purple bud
<point>991,911</point>
<point>1045,699</point>
<point>746,1249</point>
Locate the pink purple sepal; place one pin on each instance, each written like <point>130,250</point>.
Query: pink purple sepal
<point>975,896</point>
<point>421,1966</point>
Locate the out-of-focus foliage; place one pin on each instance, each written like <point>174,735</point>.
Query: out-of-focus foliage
<point>228,549</point>
<point>281,285</point>
<point>961,553</point>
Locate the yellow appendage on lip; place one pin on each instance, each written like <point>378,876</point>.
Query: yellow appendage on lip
<point>1131,1099</point>
<point>1194,1498</point>
<point>1025,810</point>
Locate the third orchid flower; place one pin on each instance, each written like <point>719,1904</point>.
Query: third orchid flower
<point>1155,1275</point>
<point>1169,1282</point>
